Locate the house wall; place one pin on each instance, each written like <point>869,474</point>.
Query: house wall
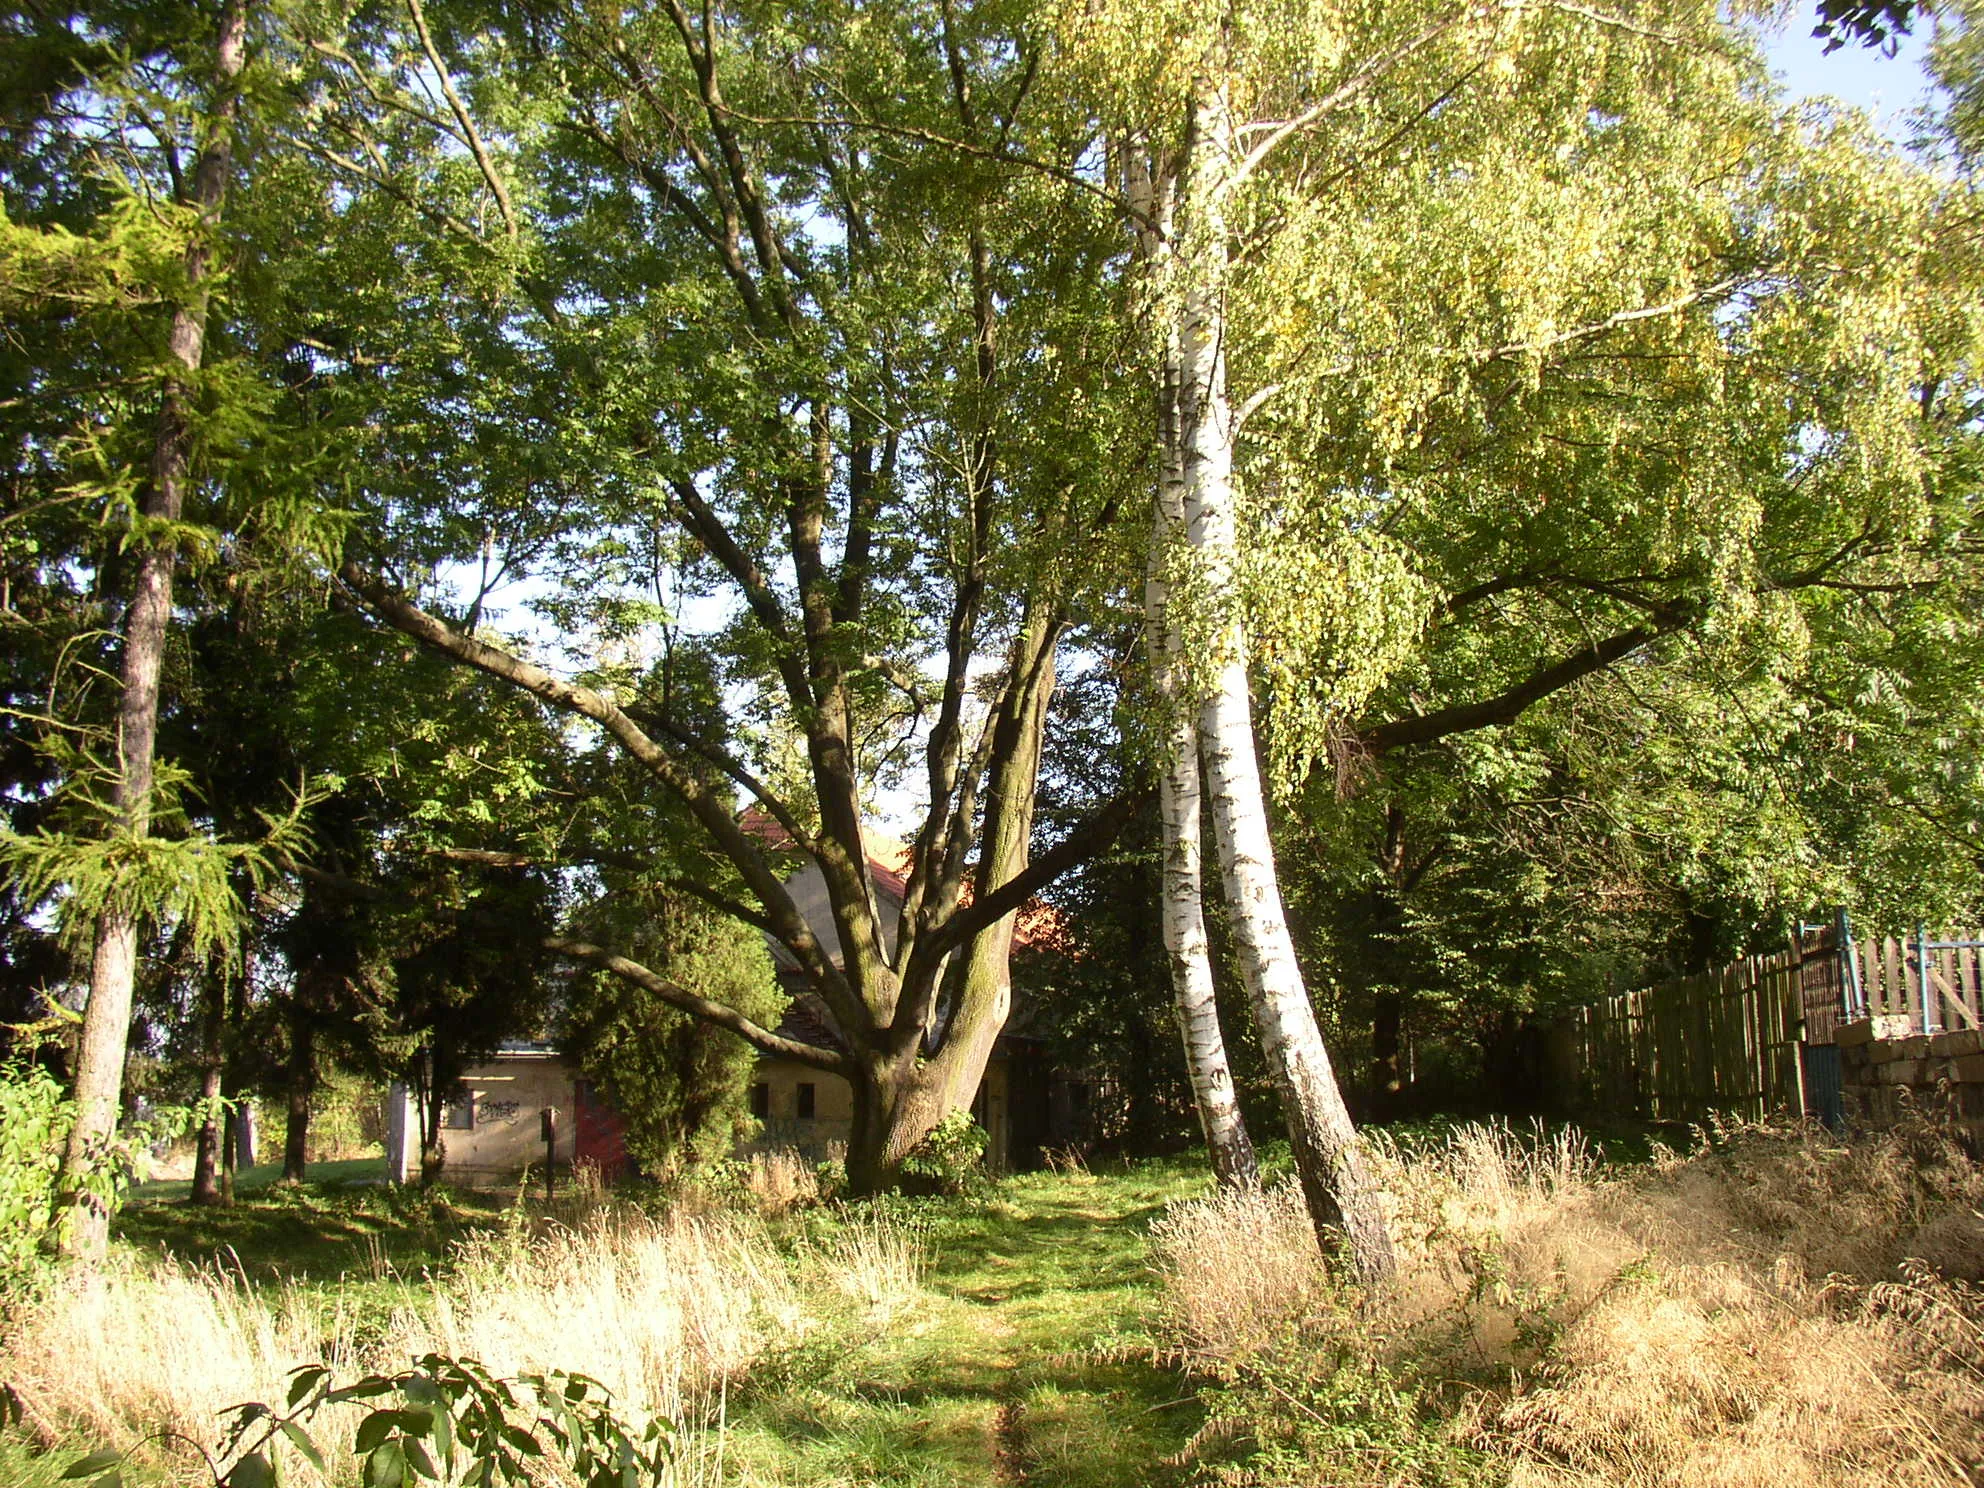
<point>506,1137</point>
<point>833,1109</point>
<point>509,1093</point>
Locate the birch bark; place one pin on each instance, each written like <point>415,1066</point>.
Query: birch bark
<point>1335,1181</point>
<point>1183,890</point>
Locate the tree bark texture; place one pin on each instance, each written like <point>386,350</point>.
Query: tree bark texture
<point>1182,889</point>
<point>302,1083</point>
<point>206,1150</point>
<point>113,968</point>
<point>1334,1178</point>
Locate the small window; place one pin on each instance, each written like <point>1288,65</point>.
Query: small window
<point>458,1113</point>
<point>761,1100</point>
<point>805,1102</point>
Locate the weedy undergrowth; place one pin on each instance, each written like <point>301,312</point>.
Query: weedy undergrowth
<point>1772,1309</point>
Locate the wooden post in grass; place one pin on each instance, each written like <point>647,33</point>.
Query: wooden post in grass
<point>548,1125</point>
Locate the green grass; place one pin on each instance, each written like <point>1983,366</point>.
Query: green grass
<point>263,1176</point>
<point>345,1223</point>
<point>1029,1360</point>
<point>1025,1357</point>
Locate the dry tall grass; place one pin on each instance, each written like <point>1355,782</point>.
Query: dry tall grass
<point>667,1313</point>
<point>1776,1310</point>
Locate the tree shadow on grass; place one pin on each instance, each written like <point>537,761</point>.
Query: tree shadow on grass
<point>311,1232</point>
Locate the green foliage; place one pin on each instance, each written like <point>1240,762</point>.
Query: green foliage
<point>100,866</point>
<point>445,1421</point>
<point>681,1086</point>
<point>35,1116</point>
<point>950,1158</point>
<point>1295,1413</point>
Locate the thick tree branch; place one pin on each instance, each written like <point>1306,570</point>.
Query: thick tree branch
<point>731,766</point>
<point>470,135</point>
<point>766,608</point>
<point>1372,72</point>
<point>1089,838</point>
<point>1507,706</point>
<point>676,995</point>
<point>711,812</point>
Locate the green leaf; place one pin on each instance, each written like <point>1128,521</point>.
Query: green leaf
<point>90,1466</point>
<point>300,1439</point>
<point>419,1390</point>
<point>418,1459</point>
<point>303,1381</point>
<point>385,1467</point>
<point>373,1430</point>
<point>523,1441</point>
<point>252,1471</point>
<point>369,1388</point>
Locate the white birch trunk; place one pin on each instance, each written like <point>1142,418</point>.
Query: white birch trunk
<point>1334,1179</point>
<point>1185,943</point>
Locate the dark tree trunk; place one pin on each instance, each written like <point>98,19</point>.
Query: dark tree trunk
<point>1387,1043</point>
<point>206,1152</point>
<point>302,1085</point>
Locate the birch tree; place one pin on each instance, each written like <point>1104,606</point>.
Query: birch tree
<point>1367,210</point>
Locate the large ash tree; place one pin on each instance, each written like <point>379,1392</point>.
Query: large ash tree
<point>711,346</point>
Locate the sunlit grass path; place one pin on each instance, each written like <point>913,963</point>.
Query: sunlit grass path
<point>1020,1365</point>
<point>1021,1358</point>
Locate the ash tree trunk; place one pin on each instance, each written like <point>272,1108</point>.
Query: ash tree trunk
<point>826,532</point>
<point>106,1031</point>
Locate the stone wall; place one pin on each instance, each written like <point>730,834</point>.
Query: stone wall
<point>1886,1070</point>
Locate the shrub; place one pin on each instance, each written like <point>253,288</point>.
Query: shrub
<point>444,1421</point>
<point>35,1116</point>
<point>950,1159</point>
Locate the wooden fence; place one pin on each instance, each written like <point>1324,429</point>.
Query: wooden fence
<point>1934,980</point>
<point>1724,1040</point>
<point>1757,1037</point>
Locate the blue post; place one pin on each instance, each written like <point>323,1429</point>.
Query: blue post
<point>1851,992</point>
<point>1922,970</point>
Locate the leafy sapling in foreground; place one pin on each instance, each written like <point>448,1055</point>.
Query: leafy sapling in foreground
<point>444,1421</point>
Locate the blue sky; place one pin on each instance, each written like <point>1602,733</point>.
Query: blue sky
<point>1886,87</point>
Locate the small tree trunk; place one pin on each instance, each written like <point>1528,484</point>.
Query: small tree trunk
<point>1334,1180</point>
<point>1186,945</point>
<point>428,1106</point>
<point>302,1085</point>
<point>206,1150</point>
<point>113,968</point>
<point>1387,1075</point>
